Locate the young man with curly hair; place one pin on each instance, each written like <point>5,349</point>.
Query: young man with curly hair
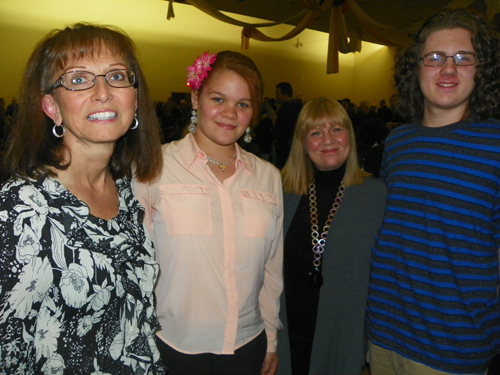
<point>433,301</point>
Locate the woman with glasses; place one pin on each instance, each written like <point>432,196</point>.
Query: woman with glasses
<point>76,268</point>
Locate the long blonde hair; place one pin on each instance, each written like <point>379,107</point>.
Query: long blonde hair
<point>298,170</point>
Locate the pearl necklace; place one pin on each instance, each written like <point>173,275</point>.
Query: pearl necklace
<point>221,165</point>
<point>318,241</point>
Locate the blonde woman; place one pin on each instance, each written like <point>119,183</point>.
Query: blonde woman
<point>332,210</point>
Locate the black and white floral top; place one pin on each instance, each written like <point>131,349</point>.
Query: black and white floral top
<point>76,291</point>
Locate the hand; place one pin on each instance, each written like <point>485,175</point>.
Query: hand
<point>270,364</point>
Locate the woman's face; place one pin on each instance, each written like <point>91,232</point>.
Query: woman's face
<point>328,146</point>
<point>224,109</point>
<point>99,115</point>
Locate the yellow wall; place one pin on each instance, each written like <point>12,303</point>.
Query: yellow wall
<point>167,47</point>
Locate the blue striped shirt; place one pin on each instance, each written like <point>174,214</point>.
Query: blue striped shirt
<point>434,267</point>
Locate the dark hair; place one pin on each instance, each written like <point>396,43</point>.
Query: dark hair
<point>33,149</point>
<point>484,101</point>
<point>244,67</point>
<point>285,89</point>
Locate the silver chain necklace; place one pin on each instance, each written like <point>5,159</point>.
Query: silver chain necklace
<point>318,241</point>
<point>221,165</point>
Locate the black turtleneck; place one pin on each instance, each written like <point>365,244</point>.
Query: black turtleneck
<point>301,296</point>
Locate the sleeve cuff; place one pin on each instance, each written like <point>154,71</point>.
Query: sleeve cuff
<point>272,341</point>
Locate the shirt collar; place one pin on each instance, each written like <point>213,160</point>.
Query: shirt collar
<point>190,152</point>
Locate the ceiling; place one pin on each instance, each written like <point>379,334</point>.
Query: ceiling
<point>399,14</point>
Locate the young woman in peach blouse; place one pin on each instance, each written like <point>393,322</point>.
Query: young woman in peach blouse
<point>215,216</point>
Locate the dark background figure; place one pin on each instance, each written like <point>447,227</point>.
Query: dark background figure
<point>185,115</point>
<point>171,121</point>
<point>12,109</point>
<point>396,118</point>
<point>364,113</point>
<point>272,104</point>
<point>286,119</point>
<point>370,138</point>
<point>384,112</point>
<point>354,115</point>
<point>263,133</point>
<point>2,107</point>
<point>161,118</point>
<point>345,103</point>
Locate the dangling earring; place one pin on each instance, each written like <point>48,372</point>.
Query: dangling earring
<point>136,125</point>
<point>194,121</point>
<point>54,130</point>
<point>248,137</point>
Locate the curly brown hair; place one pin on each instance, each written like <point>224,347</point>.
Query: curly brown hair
<point>33,149</point>
<point>484,101</point>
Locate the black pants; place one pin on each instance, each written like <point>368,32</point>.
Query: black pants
<point>246,360</point>
<point>300,353</point>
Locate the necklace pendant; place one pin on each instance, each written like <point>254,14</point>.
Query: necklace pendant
<point>222,167</point>
<point>316,278</point>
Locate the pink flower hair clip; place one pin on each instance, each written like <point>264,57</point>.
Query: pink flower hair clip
<point>199,70</point>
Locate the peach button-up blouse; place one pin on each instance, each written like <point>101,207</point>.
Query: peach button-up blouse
<point>220,250</point>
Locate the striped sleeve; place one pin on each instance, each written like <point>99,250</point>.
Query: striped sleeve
<point>434,267</point>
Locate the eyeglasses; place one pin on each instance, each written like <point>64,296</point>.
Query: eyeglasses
<point>439,59</point>
<point>78,80</point>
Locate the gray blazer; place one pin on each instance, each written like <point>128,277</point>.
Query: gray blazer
<point>339,340</point>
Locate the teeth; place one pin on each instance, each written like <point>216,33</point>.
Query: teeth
<point>102,116</point>
<point>447,84</point>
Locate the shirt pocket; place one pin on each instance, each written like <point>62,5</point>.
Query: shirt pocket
<point>259,208</point>
<point>186,209</point>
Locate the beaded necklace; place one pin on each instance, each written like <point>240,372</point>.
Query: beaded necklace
<point>221,165</point>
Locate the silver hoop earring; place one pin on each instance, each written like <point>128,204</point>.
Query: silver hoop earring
<point>136,125</point>
<point>54,131</point>
<point>194,121</point>
<point>248,137</point>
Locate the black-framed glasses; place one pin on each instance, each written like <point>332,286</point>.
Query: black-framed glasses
<point>439,59</point>
<point>77,80</point>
